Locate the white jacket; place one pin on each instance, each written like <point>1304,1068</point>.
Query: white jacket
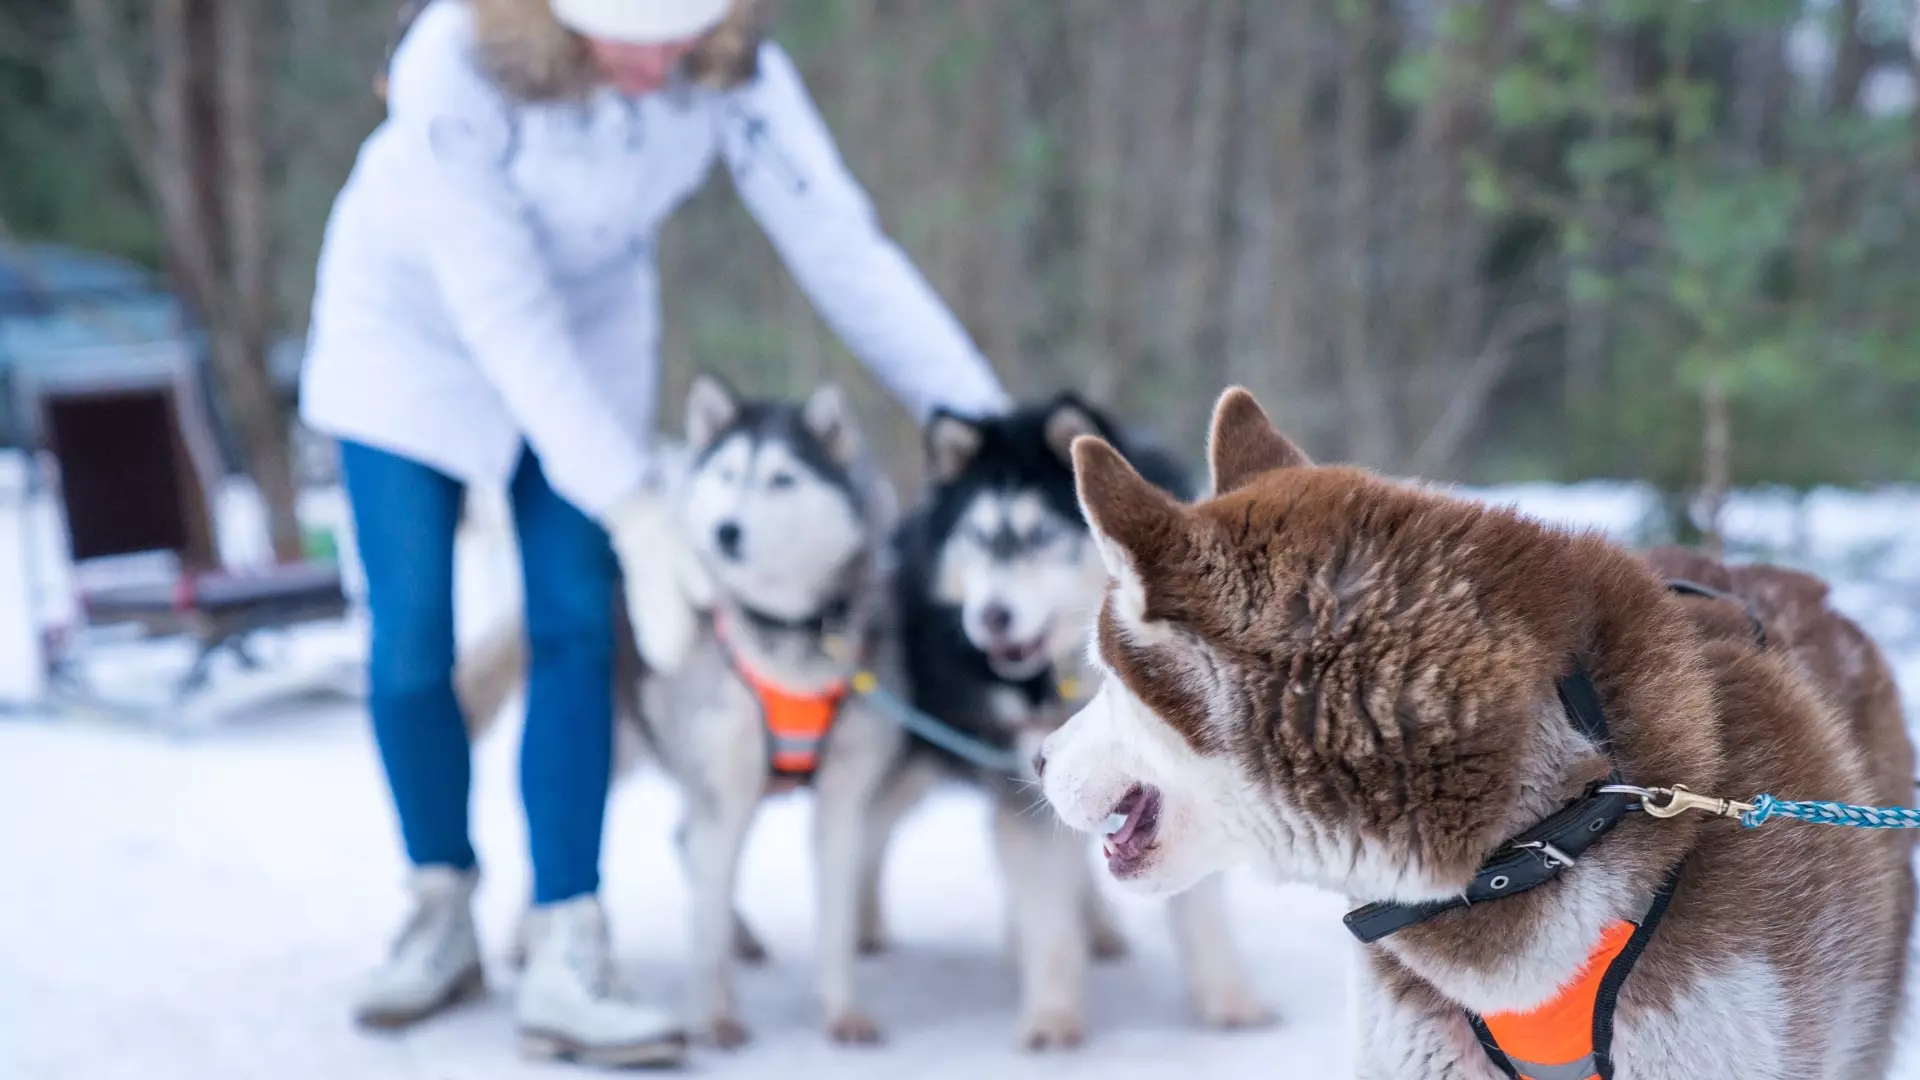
<point>488,272</point>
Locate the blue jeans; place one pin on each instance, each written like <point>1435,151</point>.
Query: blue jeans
<point>404,517</point>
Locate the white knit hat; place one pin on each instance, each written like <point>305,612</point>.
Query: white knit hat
<point>640,21</point>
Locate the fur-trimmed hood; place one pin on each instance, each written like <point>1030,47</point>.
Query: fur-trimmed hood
<point>532,57</point>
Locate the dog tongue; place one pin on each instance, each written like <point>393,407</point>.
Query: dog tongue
<point>1131,806</point>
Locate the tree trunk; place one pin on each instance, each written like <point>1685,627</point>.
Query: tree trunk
<point>1715,461</point>
<point>1097,41</point>
<point>200,151</point>
<point>1369,413</point>
<point>1199,308</point>
<point>1850,67</point>
<point>240,349</point>
<point>1294,343</point>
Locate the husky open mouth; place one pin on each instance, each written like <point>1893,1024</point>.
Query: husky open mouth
<point>1013,659</point>
<point>1131,829</point>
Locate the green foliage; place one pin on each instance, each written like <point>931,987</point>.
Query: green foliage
<point>1652,170</point>
<point>1774,256</point>
<point>67,175</point>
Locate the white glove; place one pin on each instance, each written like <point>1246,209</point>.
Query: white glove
<point>666,586</point>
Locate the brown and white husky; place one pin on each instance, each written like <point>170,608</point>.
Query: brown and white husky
<point>1346,680</point>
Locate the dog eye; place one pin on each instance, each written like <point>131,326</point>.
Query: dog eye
<point>780,481</point>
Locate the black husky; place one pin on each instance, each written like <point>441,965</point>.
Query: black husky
<point>996,587</point>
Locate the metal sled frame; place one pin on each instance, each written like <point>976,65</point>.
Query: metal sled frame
<point>134,471</point>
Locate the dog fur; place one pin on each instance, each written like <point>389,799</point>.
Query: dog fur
<point>1349,681</point>
<point>996,588</point>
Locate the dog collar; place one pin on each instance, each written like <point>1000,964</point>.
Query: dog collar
<point>832,616</point>
<point>1536,856</point>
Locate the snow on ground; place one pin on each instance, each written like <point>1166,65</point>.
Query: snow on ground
<point>199,906</point>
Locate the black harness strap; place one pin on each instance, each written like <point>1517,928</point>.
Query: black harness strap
<point>1684,587</point>
<point>1537,855</point>
<point>830,619</point>
<point>1608,998</point>
<point>1622,967</point>
<point>1492,1046</point>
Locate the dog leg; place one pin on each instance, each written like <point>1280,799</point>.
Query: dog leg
<point>845,790</point>
<point>1222,995</point>
<point>746,944</point>
<point>1042,864</point>
<point>1104,938</point>
<point>715,830</point>
<point>901,795</point>
<point>488,673</point>
<point>1105,941</point>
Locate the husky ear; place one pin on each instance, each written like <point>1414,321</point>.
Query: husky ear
<point>1244,443</point>
<point>1066,421</point>
<point>711,406</point>
<point>830,419</point>
<point>1136,526</point>
<point>952,440</point>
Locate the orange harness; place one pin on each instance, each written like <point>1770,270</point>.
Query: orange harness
<point>797,723</point>
<point>1571,1036</point>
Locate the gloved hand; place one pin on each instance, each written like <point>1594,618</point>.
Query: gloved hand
<point>666,585</point>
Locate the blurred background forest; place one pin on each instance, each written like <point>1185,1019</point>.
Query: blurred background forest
<point>1511,239</point>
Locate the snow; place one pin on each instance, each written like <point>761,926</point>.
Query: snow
<point>198,905</point>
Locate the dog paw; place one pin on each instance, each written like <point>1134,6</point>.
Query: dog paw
<point>1234,1008</point>
<point>1052,1029</point>
<point>853,1029</point>
<point>1107,944</point>
<point>727,1032</point>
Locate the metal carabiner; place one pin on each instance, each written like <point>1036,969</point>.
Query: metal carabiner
<point>1679,800</point>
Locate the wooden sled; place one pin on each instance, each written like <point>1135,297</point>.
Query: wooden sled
<point>132,465</point>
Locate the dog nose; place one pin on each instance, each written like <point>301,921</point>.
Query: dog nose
<point>727,535</point>
<point>996,618</point>
<point>1040,764</point>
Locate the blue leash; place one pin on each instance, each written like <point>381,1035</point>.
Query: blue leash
<point>954,741</point>
<point>1830,813</point>
<point>1676,800</point>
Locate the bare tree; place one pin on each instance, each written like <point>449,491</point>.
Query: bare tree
<point>193,130</point>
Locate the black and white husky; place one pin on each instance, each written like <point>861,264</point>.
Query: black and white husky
<point>996,590</point>
<point>791,523</point>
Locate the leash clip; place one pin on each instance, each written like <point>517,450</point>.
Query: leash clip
<point>1679,800</point>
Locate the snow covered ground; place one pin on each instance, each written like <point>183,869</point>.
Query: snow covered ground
<point>198,907</point>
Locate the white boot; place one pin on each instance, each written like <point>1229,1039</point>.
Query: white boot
<point>435,960</point>
<point>568,1005</point>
